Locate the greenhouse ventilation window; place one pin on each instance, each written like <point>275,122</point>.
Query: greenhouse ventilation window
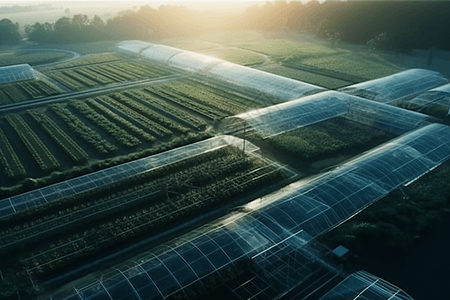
<point>397,86</point>
<point>16,73</point>
<point>282,224</point>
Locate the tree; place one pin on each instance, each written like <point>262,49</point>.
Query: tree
<point>9,32</point>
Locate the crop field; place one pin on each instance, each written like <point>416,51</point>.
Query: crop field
<point>94,128</point>
<point>88,60</point>
<point>27,90</point>
<point>283,49</point>
<point>324,144</point>
<point>104,73</point>
<point>188,44</point>
<point>350,65</point>
<point>236,56</point>
<point>104,220</point>
<point>316,79</point>
<point>31,58</point>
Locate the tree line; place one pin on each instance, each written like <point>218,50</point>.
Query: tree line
<point>400,26</point>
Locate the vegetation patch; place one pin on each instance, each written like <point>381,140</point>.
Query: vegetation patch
<point>394,224</point>
<point>32,58</point>
<point>236,56</point>
<point>316,79</point>
<point>283,49</point>
<point>350,65</point>
<point>81,228</point>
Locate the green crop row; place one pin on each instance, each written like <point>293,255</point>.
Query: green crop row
<point>150,114</point>
<point>75,152</point>
<point>155,128</point>
<point>207,111</point>
<point>14,93</point>
<point>118,119</point>
<point>166,107</point>
<point>67,81</point>
<point>108,74</point>
<point>80,78</point>
<point>141,70</point>
<point>83,131</point>
<point>207,98</point>
<point>40,152</point>
<point>94,76</point>
<point>89,59</point>
<point>111,128</point>
<point>12,167</point>
<point>117,72</point>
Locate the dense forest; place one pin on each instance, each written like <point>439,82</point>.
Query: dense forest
<point>399,26</point>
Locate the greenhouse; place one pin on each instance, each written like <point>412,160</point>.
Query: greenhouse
<point>193,62</point>
<point>35,198</point>
<point>362,285</point>
<point>132,47</point>
<point>280,118</point>
<point>437,96</point>
<point>279,86</point>
<point>397,86</point>
<point>160,53</point>
<point>16,73</point>
<point>273,230</point>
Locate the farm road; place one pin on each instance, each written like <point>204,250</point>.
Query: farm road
<point>75,55</point>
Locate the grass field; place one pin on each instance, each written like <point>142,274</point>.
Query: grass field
<point>320,80</point>
<point>351,65</point>
<point>236,56</point>
<point>31,58</point>
<point>282,49</point>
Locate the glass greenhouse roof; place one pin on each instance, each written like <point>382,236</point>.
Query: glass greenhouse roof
<point>397,86</point>
<point>132,47</point>
<point>264,230</point>
<point>97,179</point>
<point>16,73</point>
<point>160,53</point>
<point>194,62</point>
<point>437,96</point>
<point>365,286</point>
<point>280,118</point>
<point>282,87</point>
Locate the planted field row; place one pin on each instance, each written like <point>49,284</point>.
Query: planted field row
<point>190,104</point>
<point>11,165</point>
<point>156,129</point>
<point>104,220</point>
<point>82,130</point>
<point>103,74</point>
<point>76,153</point>
<point>88,60</point>
<point>150,114</point>
<point>320,80</point>
<point>206,97</point>
<point>120,120</point>
<point>38,150</point>
<point>167,108</point>
<point>26,90</point>
<point>326,138</point>
<point>100,120</point>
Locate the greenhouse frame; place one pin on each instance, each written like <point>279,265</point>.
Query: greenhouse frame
<point>437,96</point>
<point>278,225</point>
<point>16,73</point>
<point>398,86</point>
<point>287,116</point>
<point>362,285</point>
<point>217,69</point>
<point>35,198</point>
